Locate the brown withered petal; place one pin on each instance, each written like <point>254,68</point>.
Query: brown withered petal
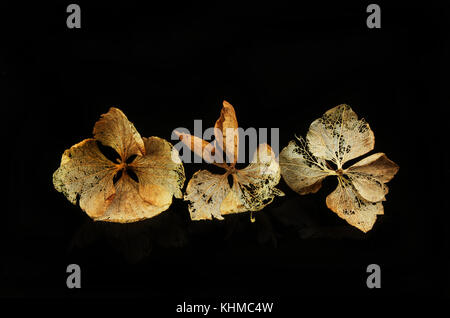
<point>339,136</point>
<point>114,130</point>
<point>302,171</point>
<point>200,147</point>
<point>346,202</point>
<point>161,166</point>
<point>226,132</point>
<point>232,202</point>
<point>376,165</point>
<point>85,173</point>
<point>368,176</point>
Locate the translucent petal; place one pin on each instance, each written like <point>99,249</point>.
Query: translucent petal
<point>226,132</point>
<point>302,172</point>
<point>206,191</point>
<point>369,175</point>
<point>357,211</point>
<point>85,173</point>
<point>114,130</point>
<point>258,180</point>
<point>377,165</point>
<point>339,136</point>
<point>201,148</point>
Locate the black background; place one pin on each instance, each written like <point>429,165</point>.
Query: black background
<point>281,66</point>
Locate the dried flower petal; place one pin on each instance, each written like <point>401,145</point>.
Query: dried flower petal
<point>114,130</point>
<point>368,176</point>
<point>339,136</point>
<point>85,173</point>
<point>226,132</point>
<point>300,169</point>
<point>357,211</point>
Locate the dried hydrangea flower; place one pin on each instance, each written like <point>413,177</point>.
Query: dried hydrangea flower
<point>338,136</point>
<point>253,187</point>
<point>87,176</point>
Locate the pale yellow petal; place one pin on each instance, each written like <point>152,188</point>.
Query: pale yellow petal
<point>85,173</point>
<point>339,136</point>
<point>257,181</point>
<point>357,211</point>
<point>226,132</point>
<point>368,187</point>
<point>206,192</point>
<point>302,172</point>
<point>377,165</point>
<point>369,175</point>
<point>232,202</point>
